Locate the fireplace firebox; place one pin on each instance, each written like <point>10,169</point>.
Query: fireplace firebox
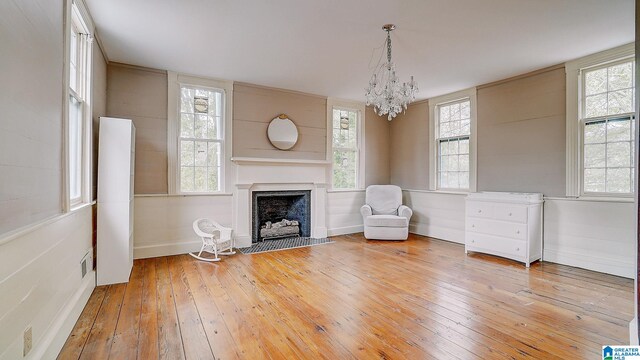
<point>278,214</point>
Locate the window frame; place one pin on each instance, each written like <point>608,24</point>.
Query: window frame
<point>175,82</point>
<point>575,123</point>
<point>434,148</point>
<point>79,22</point>
<point>359,109</point>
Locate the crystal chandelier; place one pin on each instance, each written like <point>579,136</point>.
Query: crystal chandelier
<point>385,92</point>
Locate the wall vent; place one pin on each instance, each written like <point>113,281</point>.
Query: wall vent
<point>86,264</point>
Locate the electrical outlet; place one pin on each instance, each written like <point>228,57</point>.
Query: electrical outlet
<point>28,341</point>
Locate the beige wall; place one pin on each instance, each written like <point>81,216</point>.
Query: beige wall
<point>521,134</point>
<point>140,94</point>
<point>409,148</point>
<point>98,106</point>
<point>255,106</point>
<point>376,134</point>
<point>31,107</point>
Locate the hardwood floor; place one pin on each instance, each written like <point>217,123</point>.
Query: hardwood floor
<point>419,299</point>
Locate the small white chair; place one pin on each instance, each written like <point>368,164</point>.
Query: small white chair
<point>216,239</point>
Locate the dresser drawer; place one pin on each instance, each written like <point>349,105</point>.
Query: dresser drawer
<point>479,209</point>
<point>495,227</point>
<point>496,245</point>
<point>510,212</point>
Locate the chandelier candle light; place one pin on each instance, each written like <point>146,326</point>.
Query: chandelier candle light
<point>387,95</point>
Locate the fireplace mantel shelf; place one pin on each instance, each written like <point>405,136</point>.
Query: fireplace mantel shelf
<point>273,161</point>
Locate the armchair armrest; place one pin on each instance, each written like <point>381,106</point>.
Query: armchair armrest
<point>365,210</point>
<point>405,212</point>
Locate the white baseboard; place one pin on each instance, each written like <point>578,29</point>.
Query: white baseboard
<point>442,233</point>
<point>590,262</point>
<point>150,251</point>
<point>320,232</point>
<point>633,332</point>
<point>57,334</point>
<point>345,230</point>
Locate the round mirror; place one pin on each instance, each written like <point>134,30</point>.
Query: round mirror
<point>282,132</point>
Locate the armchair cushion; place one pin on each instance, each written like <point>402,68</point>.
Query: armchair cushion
<point>384,199</point>
<point>386,221</point>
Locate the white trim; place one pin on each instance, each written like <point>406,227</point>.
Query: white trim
<point>594,262</point>
<point>274,161</point>
<point>359,107</point>
<point>56,335</point>
<point>181,195</point>
<point>573,96</point>
<point>433,144</point>
<point>173,92</point>
<point>176,248</point>
<point>345,230</point>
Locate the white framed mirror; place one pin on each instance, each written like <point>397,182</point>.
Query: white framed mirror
<point>282,132</point>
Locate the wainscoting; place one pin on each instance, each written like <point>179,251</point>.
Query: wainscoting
<point>42,285</point>
<point>594,235</point>
<point>163,224</point>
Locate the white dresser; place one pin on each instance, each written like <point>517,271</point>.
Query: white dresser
<point>116,155</point>
<point>505,224</point>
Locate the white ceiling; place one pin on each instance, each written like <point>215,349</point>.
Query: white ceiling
<point>325,46</point>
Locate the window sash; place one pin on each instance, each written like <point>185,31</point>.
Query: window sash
<point>355,149</point>
<point>218,140</point>
<point>630,117</point>
<point>439,170</point>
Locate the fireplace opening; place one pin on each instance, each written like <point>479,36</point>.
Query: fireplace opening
<point>281,214</point>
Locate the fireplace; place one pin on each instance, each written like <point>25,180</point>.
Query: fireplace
<point>270,208</point>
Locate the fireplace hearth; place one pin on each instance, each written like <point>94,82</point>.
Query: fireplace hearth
<point>281,214</point>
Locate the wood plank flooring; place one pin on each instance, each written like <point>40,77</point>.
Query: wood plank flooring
<point>419,299</point>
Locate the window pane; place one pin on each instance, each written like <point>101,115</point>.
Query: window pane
<point>620,76</point>
<point>596,105</point>
<point>344,169</point>
<point>594,155</point>
<point>200,127</point>
<point>201,153</point>
<point>187,149</point>
<point>620,102</point>
<point>596,82</point>
<point>186,125</point>
<point>464,146</point>
<point>213,157</point>
<point>213,179</point>
<point>455,111</point>
<point>345,129</point>
<point>213,124</point>
<point>454,119</point>
<point>619,154</point>
<point>75,148</point>
<point>619,180</point>
<point>464,179</point>
<point>186,179</point>
<point>619,130</point>
<point>186,99</point>
<point>445,114</point>
<point>464,162</point>
<point>594,180</point>
<point>444,180</point>
<point>595,132</point>
<point>200,179</point>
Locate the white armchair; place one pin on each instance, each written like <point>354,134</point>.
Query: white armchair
<point>384,216</point>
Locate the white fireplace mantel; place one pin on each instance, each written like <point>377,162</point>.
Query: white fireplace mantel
<point>244,195</point>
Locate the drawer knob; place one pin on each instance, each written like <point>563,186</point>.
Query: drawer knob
<point>479,211</point>
<point>510,214</point>
<point>517,231</point>
<point>517,249</point>
<point>473,241</point>
<point>473,225</point>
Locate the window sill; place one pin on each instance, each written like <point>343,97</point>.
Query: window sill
<point>78,207</point>
<point>444,192</point>
<point>344,190</point>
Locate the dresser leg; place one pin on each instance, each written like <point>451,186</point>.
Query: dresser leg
<point>527,264</point>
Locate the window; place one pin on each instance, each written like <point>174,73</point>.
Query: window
<point>454,129</point>
<point>346,148</point>
<point>201,139</point>
<point>601,124</point>
<point>198,134</point>
<point>79,107</point>
<point>452,161</point>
